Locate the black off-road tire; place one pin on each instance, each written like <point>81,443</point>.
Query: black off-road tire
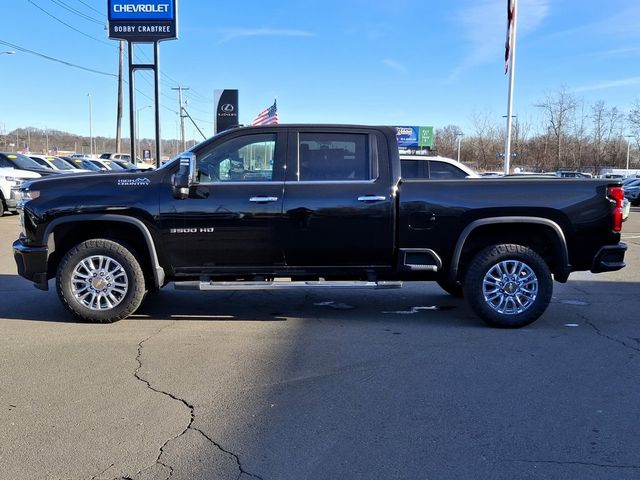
<point>485,306</point>
<point>453,289</point>
<point>2,209</point>
<point>129,302</point>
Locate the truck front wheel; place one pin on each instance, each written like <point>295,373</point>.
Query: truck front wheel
<point>100,281</point>
<point>508,286</point>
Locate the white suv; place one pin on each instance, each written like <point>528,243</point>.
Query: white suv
<point>10,180</point>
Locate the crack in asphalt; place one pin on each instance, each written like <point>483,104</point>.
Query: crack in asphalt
<point>588,464</point>
<point>102,472</point>
<point>603,335</point>
<point>190,426</point>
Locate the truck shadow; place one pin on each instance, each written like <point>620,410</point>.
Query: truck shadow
<point>23,302</point>
<point>343,305</point>
<point>421,302</point>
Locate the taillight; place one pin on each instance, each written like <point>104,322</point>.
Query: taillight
<point>616,195</point>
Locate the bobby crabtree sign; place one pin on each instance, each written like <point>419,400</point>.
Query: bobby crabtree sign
<point>143,20</point>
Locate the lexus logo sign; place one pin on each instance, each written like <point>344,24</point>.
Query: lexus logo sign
<point>227,108</point>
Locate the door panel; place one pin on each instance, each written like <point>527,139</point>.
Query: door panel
<point>233,217</point>
<point>338,208</point>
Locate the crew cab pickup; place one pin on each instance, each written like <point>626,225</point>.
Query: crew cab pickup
<point>313,206</point>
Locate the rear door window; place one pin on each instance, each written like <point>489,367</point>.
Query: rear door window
<point>444,171</point>
<point>334,157</point>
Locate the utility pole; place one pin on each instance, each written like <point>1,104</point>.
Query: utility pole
<point>119,110</point>
<point>182,116</point>
<point>90,128</point>
<point>629,137</point>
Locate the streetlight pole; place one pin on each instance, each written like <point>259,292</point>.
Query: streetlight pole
<point>459,135</point>
<point>137,150</point>
<point>90,128</point>
<point>628,149</point>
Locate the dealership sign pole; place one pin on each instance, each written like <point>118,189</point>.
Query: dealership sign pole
<point>143,21</point>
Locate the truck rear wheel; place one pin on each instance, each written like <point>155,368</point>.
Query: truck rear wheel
<point>508,286</point>
<point>100,281</point>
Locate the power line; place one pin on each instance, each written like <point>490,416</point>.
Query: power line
<point>175,82</point>
<point>192,94</point>
<point>69,26</point>
<point>69,8</point>
<point>91,8</point>
<point>53,59</point>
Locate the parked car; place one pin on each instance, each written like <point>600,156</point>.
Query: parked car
<point>73,162</point>
<point>108,164</point>
<point>433,168</point>
<point>10,181</point>
<point>22,162</point>
<point>124,160</point>
<point>56,163</point>
<point>572,174</point>
<point>632,191</point>
<point>115,156</point>
<point>126,164</point>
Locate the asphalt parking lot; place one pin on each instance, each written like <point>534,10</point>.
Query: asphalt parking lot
<point>349,384</point>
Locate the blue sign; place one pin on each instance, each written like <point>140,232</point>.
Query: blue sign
<point>414,137</point>
<point>141,10</point>
<point>407,137</point>
<point>143,20</point>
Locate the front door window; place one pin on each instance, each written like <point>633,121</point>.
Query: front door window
<point>242,159</point>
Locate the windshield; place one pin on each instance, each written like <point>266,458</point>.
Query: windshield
<point>113,165</point>
<point>40,161</point>
<point>105,155</point>
<point>60,164</point>
<point>88,165</point>
<point>126,165</point>
<point>22,162</point>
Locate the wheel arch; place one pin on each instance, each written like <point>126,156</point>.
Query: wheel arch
<point>481,233</point>
<point>65,232</point>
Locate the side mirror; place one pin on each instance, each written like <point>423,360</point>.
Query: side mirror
<point>185,177</point>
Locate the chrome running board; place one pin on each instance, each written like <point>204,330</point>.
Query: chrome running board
<point>280,284</point>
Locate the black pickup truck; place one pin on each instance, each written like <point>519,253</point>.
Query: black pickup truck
<point>312,206</point>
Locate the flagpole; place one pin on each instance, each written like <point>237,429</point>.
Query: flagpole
<point>512,72</point>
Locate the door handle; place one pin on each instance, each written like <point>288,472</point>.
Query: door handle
<point>263,199</point>
<point>372,198</point>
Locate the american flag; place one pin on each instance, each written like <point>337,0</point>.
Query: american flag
<point>269,116</point>
<point>511,12</point>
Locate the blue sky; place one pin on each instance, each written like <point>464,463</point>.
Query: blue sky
<point>400,62</point>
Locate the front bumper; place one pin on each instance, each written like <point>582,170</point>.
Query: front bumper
<point>32,263</point>
<point>12,201</point>
<point>609,258</point>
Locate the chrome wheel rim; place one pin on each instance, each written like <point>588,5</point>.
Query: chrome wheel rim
<point>99,282</point>
<point>510,287</point>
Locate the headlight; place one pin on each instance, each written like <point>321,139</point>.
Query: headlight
<point>27,195</point>
<point>14,179</point>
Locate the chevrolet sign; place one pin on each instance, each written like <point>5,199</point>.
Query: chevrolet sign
<point>143,20</point>
<point>141,10</point>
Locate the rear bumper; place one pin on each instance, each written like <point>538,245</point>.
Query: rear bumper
<point>609,258</point>
<point>32,263</point>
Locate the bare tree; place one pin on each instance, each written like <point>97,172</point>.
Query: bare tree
<point>484,141</point>
<point>579,138</point>
<point>633,121</point>
<point>615,136</point>
<point>446,140</point>
<point>558,110</point>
